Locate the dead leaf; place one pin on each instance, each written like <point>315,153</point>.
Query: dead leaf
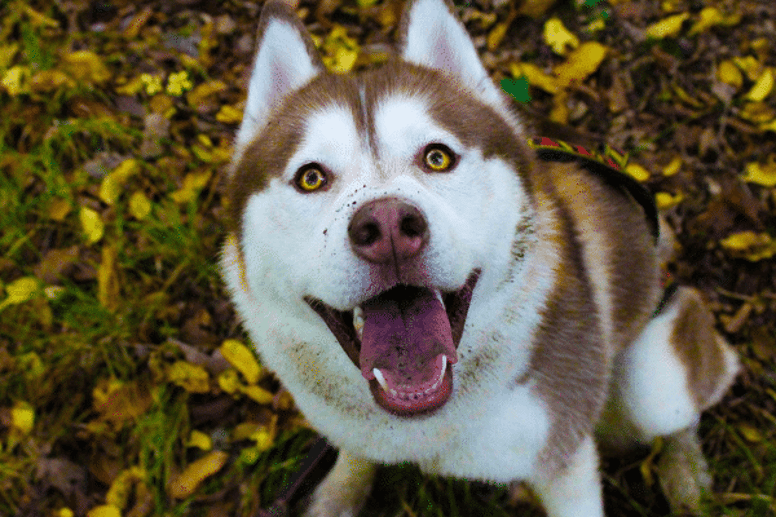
<point>241,357</point>
<point>195,473</point>
<point>56,263</point>
<point>108,288</point>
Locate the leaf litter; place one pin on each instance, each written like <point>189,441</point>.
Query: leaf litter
<point>126,385</point>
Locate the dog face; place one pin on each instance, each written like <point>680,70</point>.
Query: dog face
<point>381,202</point>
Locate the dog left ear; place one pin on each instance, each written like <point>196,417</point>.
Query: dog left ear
<point>432,36</point>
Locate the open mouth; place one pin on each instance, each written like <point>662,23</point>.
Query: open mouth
<point>404,341</point>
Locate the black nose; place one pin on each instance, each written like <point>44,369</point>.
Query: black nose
<point>387,230</point>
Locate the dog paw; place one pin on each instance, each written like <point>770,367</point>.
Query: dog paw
<point>683,472</point>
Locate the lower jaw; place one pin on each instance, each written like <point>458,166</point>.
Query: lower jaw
<point>422,405</point>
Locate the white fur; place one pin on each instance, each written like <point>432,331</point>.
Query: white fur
<point>438,40</point>
<point>577,491</point>
<point>653,381</point>
<point>273,77</point>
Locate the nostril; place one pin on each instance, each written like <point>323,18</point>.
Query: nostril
<point>365,234</point>
<point>412,226</point>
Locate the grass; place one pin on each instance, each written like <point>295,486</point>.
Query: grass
<point>95,351</point>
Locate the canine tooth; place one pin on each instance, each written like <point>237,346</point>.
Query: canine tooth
<point>358,321</point>
<point>381,379</point>
<point>438,294</point>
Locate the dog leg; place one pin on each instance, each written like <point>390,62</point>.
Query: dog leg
<point>345,489</point>
<point>682,471</point>
<point>576,490</point>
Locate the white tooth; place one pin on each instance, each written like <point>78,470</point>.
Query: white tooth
<point>380,379</point>
<point>439,297</point>
<point>358,321</point>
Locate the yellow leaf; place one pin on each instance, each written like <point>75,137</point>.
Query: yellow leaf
<point>112,184</point>
<point>187,482</point>
<point>241,357</point>
<point>667,27</point>
<point>228,381</point>
<point>496,35</point>
<point>258,394</point>
<point>40,20</point>
<point>637,171</point>
<point>118,401</point>
<point>751,67</point>
<point>749,245</point>
<point>59,209</point>
<point>107,279</point>
<point>178,83</point>
<point>105,510</point>
<point>340,50</point>
<point>199,94</point>
<point>263,438</point>
<point>92,224</point>
<point>16,80</point>
<point>762,87</point>
<point>7,53</point>
<point>728,73</point>
<point>191,377</point>
<point>199,440</point>
<point>560,108</point>
<point>673,168</point>
<point>535,8</point>
<point>139,205</point>
<point>751,434</point>
<point>557,36</point>
<point>121,488</point>
<point>709,16</point>
<point>581,63</point>
<point>229,115</point>
<point>535,75</point>
<point>131,87</point>
<point>64,512</point>
<point>20,291</point>
<point>664,200</point>
<point>49,80</point>
<point>87,66</point>
<point>762,174</point>
<point>23,417</point>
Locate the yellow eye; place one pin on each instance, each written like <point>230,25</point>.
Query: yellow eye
<point>311,178</point>
<point>438,158</point>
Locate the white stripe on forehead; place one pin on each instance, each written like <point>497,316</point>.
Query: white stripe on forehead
<point>403,126</point>
<point>330,137</point>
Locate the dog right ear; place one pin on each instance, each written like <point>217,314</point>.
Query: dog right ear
<point>286,60</point>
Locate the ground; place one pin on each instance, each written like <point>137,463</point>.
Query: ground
<point>126,384</point>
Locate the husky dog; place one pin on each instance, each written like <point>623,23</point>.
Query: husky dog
<point>429,291</point>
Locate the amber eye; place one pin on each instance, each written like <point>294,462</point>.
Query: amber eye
<point>311,178</point>
<point>438,158</point>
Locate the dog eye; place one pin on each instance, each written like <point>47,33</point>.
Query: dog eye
<point>438,158</point>
<point>310,178</point>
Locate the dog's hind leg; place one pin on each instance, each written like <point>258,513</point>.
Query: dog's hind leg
<point>345,489</point>
<point>678,367</point>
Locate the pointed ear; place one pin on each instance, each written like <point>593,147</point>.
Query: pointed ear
<point>432,36</point>
<point>286,59</point>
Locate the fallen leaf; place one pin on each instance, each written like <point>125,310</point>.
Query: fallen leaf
<point>729,73</point>
<point>113,184</point>
<point>664,200</point>
<point>91,224</point>
<point>750,245</point>
<point>85,65</point>
<point>762,87</point>
<point>20,291</point>
<point>229,115</point>
<point>673,167</point>
<point>340,50</point>
<point>637,171</point>
<point>16,80</point>
<point>535,76</point>
<point>199,440</point>
<point>139,205</point>
<point>557,36</point>
<point>581,63</point>
<point>241,357</point>
<point>23,417</point>
<point>535,8</point>
<point>667,27</point>
<point>105,510</point>
<point>187,482</point>
<point>108,289</point>
<point>762,174</point>
<point>192,378</point>
<point>258,394</point>
<point>56,263</point>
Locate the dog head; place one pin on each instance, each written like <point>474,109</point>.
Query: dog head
<point>376,205</point>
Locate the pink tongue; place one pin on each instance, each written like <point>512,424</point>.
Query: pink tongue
<point>405,331</point>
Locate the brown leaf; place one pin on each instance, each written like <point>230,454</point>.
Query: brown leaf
<point>56,263</point>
